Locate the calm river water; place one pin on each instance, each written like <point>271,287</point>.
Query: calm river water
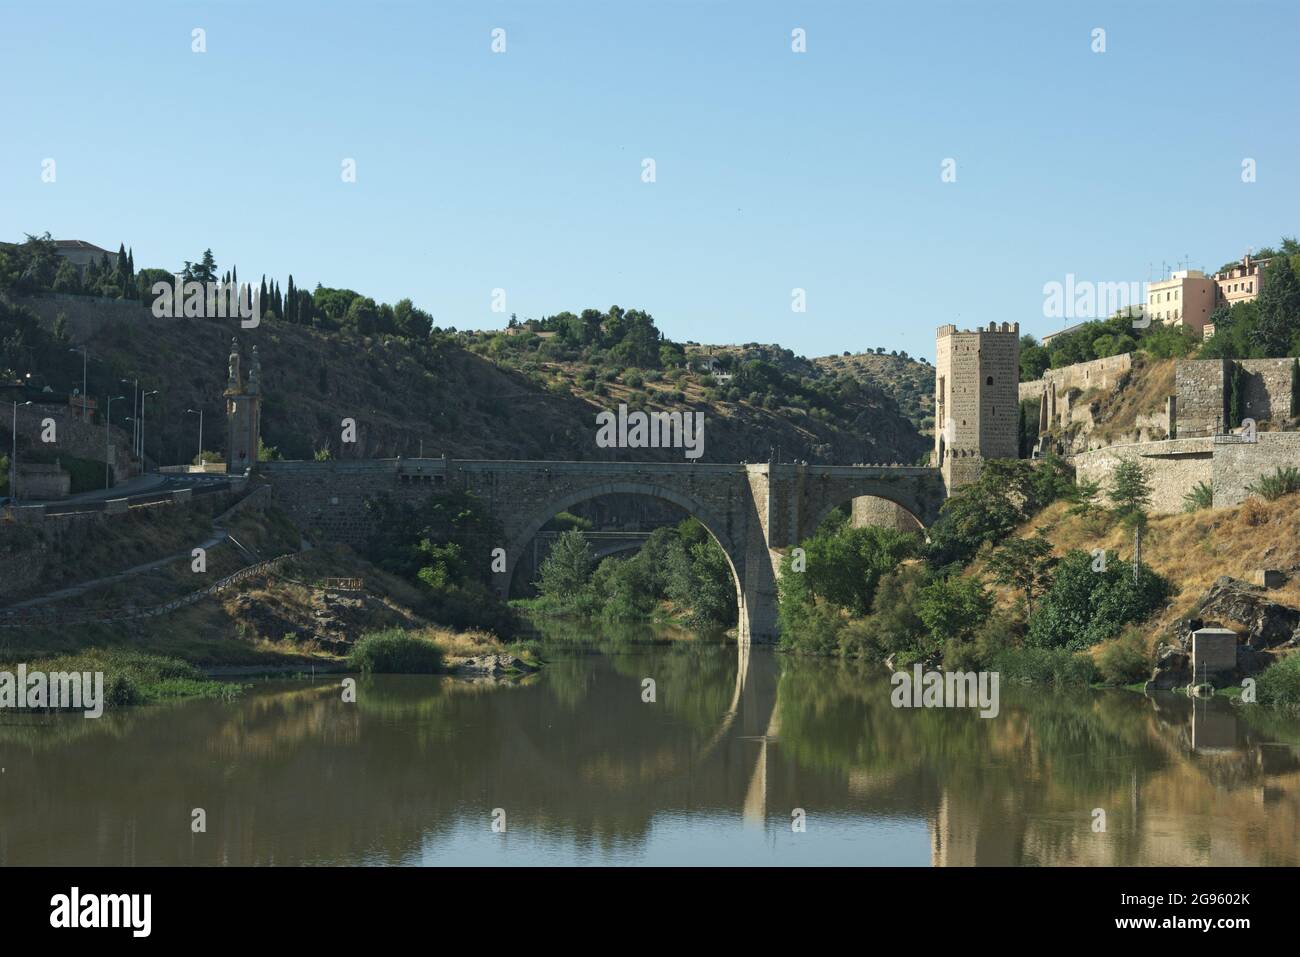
<point>581,770</point>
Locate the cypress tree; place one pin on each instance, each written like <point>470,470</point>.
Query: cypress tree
<point>266,303</point>
<point>289,304</point>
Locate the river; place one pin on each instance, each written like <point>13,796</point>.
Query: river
<point>741,758</point>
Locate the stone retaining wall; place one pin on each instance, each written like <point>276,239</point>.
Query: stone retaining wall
<point>1237,465</point>
<point>1173,467</point>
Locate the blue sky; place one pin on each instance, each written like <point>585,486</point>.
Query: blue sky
<point>774,170</point>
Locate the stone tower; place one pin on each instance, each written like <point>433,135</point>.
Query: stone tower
<point>976,399</point>
<point>243,412</point>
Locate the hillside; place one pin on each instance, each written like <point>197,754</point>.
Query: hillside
<point>467,395</point>
<point>908,382</point>
<point>1191,550</point>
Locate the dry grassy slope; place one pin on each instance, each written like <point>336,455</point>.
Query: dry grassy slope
<point>466,406</point>
<point>1142,392</point>
<point>1191,550</point>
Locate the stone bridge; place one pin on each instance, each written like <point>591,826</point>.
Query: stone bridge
<point>753,511</point>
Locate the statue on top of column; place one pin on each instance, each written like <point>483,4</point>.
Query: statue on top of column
<point>233,381</point>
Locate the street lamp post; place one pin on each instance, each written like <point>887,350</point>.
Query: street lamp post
<point>13,458</point>
<point>108,416</point>
<point>85,358</point>
<point>199,413</point>
<point>143,396</point>
<point>135,434</point>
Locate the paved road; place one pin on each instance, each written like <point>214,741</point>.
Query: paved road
<point>141,490</point>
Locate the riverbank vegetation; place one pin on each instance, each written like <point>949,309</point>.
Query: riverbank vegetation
<point>980,594</point>
<point>1043,587</point>
<point>136,677</point>
<point>443,546</point>
<point>394,651</point>
<point>414,651</point>
<point>1279,686</point>
<point>680,574</point>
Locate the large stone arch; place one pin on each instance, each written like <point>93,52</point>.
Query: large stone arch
<point>520,534</point>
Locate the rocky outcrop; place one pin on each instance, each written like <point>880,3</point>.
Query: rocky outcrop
<point>1230,601</point>
<point>1173,669</point>
<point>494,666</point>
<point>1264,627</point>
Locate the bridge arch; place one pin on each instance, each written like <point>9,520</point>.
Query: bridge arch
<point>848,498</point>
<point>525,532</point>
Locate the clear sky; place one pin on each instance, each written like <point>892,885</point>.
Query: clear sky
<point>774,170</point>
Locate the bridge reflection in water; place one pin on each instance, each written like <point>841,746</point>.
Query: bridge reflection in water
<point>711,772</point>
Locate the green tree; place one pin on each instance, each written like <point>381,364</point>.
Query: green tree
<point>1034,359</point>
<point>66,278</point>
<point>1130,493</point>
<point>1090,600</point>
<point>1007,493</point>
<point>266,453</point>
<point>33,264</point>
<point>1024,564</point>
<point>845,563</point>
<point>205,270</point>
<point>954,608</point>
<point>1279,308</point>
<point>567,568</point>
<point>1083,498</point>
<point>362,316</point>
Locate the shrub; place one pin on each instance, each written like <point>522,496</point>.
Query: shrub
<point>862,639</point>
<point>1254,512</point>
<point>1201,496</point>
<point>1283,481</point>
<point>1053,666</point>
<point>1084,607</point>
<point>894,614</point>
<point>954,608</point>
<point>1279,685</point>
<point>812,628</point>
<point>394,652</point>
<point>1124,660</point>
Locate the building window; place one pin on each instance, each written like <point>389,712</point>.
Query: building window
<point>989,380</point>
